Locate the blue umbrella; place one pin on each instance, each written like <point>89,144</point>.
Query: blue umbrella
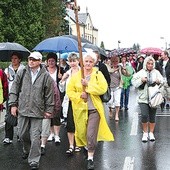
<point>59,44</point>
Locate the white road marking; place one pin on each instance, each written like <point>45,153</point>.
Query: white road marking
<point>134,127</point>
<point>162,115</point>
<point>129,163</point>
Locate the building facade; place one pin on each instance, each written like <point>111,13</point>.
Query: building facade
<point>87,29</point>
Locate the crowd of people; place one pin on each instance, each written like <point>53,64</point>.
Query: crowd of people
<point>42,96</point>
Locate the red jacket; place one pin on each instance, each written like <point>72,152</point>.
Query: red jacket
<point>4,81</point>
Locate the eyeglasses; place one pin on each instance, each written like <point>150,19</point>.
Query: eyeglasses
<point>33,59</point>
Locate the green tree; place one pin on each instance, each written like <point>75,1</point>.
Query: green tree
<point>54,13</point>
<point>136,47</point>
<point>1,26</point>
<point>102,45</point>
<point>30,21</point>
<point>22,21</point>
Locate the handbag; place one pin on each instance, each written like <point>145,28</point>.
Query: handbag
<point>106,96</point>
<point>12,120</point>
<point>155,96</point>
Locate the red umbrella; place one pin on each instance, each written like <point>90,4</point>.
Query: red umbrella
<point>151,50</point>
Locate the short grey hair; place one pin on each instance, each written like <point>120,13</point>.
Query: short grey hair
<point>92,55</point>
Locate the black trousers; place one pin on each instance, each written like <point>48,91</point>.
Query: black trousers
<point>9,131</point>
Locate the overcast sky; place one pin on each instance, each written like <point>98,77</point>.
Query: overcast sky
<point>130,21</point>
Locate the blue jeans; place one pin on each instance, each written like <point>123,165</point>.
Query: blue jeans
<point>124,100</point>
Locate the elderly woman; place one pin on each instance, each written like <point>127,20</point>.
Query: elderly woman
<point>141,80</point>
<point>88,110</point>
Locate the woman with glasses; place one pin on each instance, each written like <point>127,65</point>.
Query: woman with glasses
<point>11,72</point>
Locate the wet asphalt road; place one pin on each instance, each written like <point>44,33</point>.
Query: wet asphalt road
<point>127,152</point>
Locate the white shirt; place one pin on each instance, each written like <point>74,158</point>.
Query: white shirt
<point>34,75</point>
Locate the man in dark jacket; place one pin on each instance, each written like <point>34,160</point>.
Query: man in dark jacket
<point>32,98</point>
<point>102,67</point>
<point>164,67</point>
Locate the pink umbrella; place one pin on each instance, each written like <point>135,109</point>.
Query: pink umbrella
<point>151,50</point>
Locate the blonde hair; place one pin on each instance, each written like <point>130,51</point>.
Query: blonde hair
<point>72,56</point>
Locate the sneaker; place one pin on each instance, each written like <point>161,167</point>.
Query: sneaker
<point>51,137</point>
<point>57,139</point>
<point>90,164</point>
<point>7,141</point>
<point>42,151</point>
<point>34,165</point>
<point>126,108</point>
<point>151,136</point>
<point>145,137</point>
<point>167,106</point>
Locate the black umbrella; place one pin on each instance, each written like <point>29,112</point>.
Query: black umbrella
<point>7,48</point>
<point>83,40</point>
<point>101,51</point>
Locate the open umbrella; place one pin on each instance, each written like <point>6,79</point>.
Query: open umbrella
<point>83,40</point>
<point>7,48</point>
<point>59,44</point>
<point>151,50</point>
<point>121,51</point>
<point>95,48</point>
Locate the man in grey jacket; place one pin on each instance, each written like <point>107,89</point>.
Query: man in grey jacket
<point>32,99</point>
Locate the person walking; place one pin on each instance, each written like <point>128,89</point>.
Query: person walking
<point>56,73</point>
<point>115,71</point>
<point>11,72</point>
<point>73,61</point>
<point>32,100</point>
<point>146,77</point>
<point>3,89</point>
<point>88,109</point>
<point>124,99</point>
<point>164,67</point>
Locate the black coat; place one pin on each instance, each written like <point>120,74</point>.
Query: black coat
<point>167,70</point>
<point>103,68</point>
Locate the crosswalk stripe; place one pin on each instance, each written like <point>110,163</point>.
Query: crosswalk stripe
<point>129,163</point>
<point>134,127</point>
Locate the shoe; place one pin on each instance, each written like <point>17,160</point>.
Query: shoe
<point>18,139</point>
<point>151,137</point>
<point>126,108</point>
<point>167,106</point>
<point>24,155</point>
<point>34,165</point>
<point>70,151</point>
<point>77,149</point>
<point>51,137</point>
<point>57,139</point>
<point>42,150</point>
<point>121,108</point>
<point>145,137</point>
<point>90,164</point>
<point>7,141</point>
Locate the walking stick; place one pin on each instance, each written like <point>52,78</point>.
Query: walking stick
<point>76,9</point>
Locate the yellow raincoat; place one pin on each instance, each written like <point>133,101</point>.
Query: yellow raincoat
<point>97,85</point>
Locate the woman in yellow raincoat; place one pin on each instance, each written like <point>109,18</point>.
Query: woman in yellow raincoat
<point>88,110</point>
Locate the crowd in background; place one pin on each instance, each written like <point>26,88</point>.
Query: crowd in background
<point>75,95</point>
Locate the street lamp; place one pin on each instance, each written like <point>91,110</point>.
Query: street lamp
<point>163,38</point>
<point>119,43</point>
